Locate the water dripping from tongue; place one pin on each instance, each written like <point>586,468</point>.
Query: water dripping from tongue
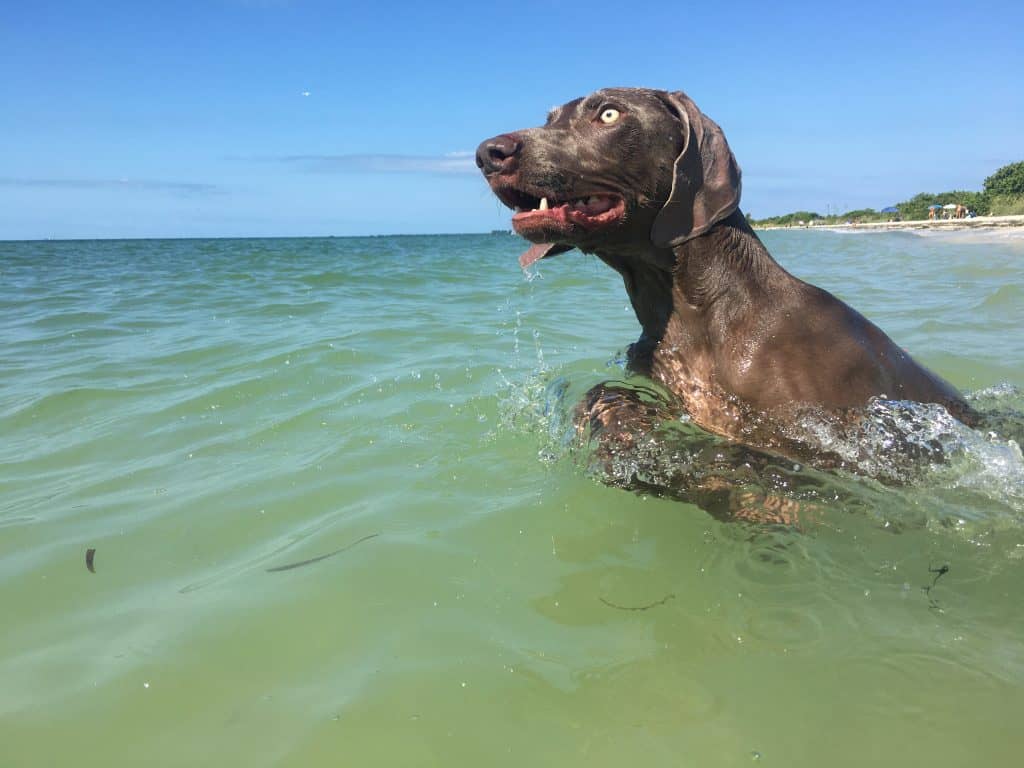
<point>538,251</point>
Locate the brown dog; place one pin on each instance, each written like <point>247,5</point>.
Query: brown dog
<point>645,181</point>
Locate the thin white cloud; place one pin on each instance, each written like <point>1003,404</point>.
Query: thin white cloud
<point>460,162</point>
<point>135,185</point>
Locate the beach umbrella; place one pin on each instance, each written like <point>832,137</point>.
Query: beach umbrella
<point>936,205</point>
<point>950,206</point>
<point>890,209</point>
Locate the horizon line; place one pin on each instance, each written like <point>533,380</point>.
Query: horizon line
<point>247,237</point>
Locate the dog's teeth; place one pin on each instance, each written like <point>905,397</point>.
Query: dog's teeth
<point>543,204</point>
<point>519,209</point>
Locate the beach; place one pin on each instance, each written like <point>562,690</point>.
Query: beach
<point>1010,224</point>
<point>312,502</point>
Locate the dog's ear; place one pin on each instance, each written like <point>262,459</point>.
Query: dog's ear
<point>706,178</point>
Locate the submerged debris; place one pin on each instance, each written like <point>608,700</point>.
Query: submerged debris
<point>317,559</point>
<point>655,604</point>
<point>89,555</point>
<point>939,572</point>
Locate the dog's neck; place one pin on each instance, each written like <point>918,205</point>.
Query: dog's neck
<point>647,276</point>
<point>694,282</point>
<point>728,261</point>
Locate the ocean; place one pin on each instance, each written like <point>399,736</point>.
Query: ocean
<point>316,502</point>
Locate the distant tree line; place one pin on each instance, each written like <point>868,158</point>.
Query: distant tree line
<point>1002,194</point>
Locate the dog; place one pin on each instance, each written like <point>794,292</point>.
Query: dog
<point>645,181</point>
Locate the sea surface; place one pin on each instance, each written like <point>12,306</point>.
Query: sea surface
<point>337,517</point>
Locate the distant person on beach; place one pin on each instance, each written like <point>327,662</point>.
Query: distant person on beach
<point>931,214</point>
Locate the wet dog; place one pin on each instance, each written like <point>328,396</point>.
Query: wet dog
<point>647,183</point>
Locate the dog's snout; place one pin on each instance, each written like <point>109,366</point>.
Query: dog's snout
<point>498,155</point>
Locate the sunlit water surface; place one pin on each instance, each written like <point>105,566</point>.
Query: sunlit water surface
<point>203,414</point>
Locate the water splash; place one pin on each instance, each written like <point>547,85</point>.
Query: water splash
<point>904,463</point>
<point>537,403</point>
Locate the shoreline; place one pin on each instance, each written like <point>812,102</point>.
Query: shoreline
<point>944,225</point>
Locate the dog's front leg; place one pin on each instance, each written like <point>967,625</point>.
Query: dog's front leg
<point>638,443</point>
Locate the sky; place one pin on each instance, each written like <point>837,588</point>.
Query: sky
<point>230,118</point>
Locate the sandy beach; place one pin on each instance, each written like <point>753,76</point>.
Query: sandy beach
<point>941,225</point>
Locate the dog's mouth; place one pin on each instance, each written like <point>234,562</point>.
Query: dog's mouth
<point>547,217</point>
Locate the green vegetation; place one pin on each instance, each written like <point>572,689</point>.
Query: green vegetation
<point>1008,181</point>
<point>1002,195</point>
<point>1007,205</point>
<point>789,219</point>
<point>1005,190</point>
<point>862,214</point>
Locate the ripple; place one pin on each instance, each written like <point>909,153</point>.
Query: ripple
<point>787,629</point>
<point>1009,296</point>
<point>776,559</point>
<point>931,676</point>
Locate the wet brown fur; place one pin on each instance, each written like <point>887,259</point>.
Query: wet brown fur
<point>746,347</point>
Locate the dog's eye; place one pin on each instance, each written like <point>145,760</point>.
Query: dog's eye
<point>609,115</point>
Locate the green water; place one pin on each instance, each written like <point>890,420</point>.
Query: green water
<point>202,412</point>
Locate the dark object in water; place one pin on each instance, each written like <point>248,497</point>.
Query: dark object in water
<point>939,572</point>
<point>89,555</point>
<point>942,570</point>
<point>647,607</point>
<point>318,558</point>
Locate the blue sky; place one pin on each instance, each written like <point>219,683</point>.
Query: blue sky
<point>190,118</point>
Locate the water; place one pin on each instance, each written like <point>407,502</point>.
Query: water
<point>205,413</point>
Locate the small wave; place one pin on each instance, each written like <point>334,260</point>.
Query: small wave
<point>975,235</point>
<point>1005,296</point>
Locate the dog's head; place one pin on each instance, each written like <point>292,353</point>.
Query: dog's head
<point>618,165</point>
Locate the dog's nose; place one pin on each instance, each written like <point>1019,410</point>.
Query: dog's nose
<point>498,155</point>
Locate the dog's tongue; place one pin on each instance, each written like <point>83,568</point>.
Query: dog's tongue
<point>540,251</point>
